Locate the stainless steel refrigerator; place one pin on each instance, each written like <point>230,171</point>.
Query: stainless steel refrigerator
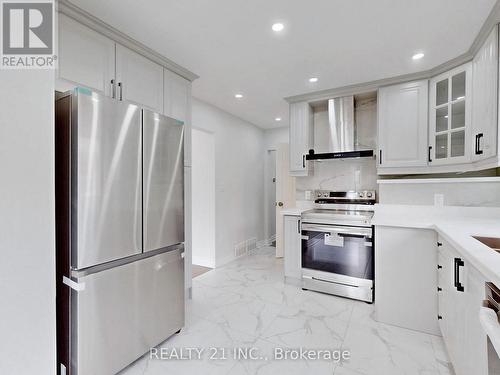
<point>119,231</point>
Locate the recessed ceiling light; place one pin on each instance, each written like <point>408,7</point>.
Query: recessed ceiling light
<point>418,56</point>
<point>238,96</point>
<point>313,79</point>
<point>277,119</point>
<point>278,27</point>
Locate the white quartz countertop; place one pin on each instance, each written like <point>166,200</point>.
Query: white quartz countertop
<point>300,206</point>
<point>456,225</point>
<point>295,211</point>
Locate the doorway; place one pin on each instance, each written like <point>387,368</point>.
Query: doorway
<point>203,200</point>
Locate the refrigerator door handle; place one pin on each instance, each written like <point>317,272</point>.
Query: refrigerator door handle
<point>73,284</point>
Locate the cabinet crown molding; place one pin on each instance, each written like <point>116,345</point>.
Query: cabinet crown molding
<point>491,21</point>
<point>87,19</point>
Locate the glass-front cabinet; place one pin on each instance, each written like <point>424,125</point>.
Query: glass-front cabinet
<point>450,116</point>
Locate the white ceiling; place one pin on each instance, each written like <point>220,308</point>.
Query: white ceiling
<point>230,44</point>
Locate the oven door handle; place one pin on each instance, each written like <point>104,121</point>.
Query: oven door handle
<point>341,231</point>
<point>491,326</point>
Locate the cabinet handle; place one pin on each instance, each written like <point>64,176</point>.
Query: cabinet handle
<point>439,244</point>
<point>298,227</point>
<point>478,143</point>
<point>439,267</point>
<point>113,89</point>
<point>458,263</point>
<point>121,90</point>
<point>429,155</point>
<point>439,289</point>
<point>303,161</point>
<point>380,157</point>
<point>440,317</point>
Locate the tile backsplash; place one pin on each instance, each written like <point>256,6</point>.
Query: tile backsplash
<point>452,193</point>
<point>339,175</point>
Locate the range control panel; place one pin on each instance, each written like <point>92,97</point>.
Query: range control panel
<point>328,196</point>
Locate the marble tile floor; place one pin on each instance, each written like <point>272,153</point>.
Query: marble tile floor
<point>246,304</point>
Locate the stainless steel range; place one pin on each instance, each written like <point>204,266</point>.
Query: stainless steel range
<point>337,244</point>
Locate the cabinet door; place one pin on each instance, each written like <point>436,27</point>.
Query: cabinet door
<point>405,294</point>
<point>86,58</point>
<point>476,358</point>
<point>450,116</point>
<point>292,247</point>
<point>301,138</point>
<point>139,80</point>
<point>177,91</point>
<point>177,104</point>
<point>448,303</point>
<point>459,311</point>
<point>402,124</point>
<point>485,99</point>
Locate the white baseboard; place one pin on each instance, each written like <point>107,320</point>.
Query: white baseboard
<point>225,260</point>
<point>244,248</point>
<point>266,242</point>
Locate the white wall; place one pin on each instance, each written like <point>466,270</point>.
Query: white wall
<point>239,176</point>
<point>203,198</point>
<point>27,268</point>
<point>274,136</point>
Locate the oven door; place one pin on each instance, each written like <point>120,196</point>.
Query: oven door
<point>342,250</point>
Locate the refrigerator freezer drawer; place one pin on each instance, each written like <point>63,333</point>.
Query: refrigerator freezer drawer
<point>163,181</point>
<point>124,311</point>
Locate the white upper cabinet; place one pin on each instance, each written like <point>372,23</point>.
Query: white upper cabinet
<point>138,79</point>
<point>86,58</point>
<point>402,125</point>
<point>177,104</point>
<point>484,99</point>
<point>177,91</point>
<point>301,138</point>
<point>450,116</point>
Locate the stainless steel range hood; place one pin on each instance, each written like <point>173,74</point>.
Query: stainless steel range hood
<point>342,133</point>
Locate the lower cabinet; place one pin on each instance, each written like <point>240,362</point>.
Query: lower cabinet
<point>405,278</point>
<point>460,295</point>
<point>292,248</point>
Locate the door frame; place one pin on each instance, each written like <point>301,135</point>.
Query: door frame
<point>285,192</point>
<point>206,262</point>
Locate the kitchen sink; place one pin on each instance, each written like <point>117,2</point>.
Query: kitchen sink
<point>491,242</point>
